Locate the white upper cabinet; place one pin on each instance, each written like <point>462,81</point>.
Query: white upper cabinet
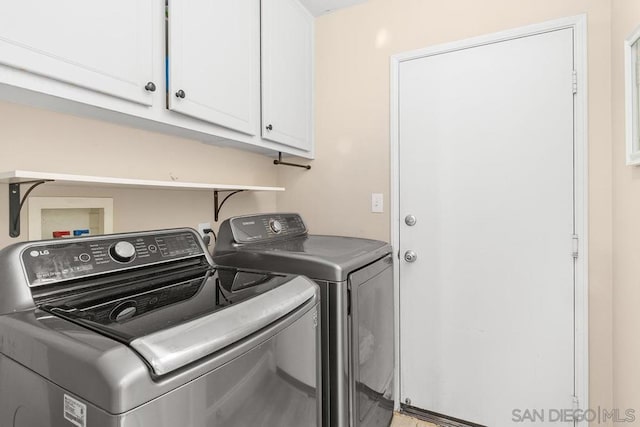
<point>201,69</point>
<point>214,61</point>
<point>106,47</point>
<point>287,73</point>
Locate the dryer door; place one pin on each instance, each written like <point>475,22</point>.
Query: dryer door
<point>372,344</point>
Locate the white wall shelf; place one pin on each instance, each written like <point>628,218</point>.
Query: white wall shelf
<point>16,178</point>
<point>20,176</point>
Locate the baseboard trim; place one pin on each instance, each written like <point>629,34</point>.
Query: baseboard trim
<point>435,418</point>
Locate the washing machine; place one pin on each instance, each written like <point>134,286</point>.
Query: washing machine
<point>139,329</point>
<point>356,297</point>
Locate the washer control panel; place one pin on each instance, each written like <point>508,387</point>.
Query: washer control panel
<point>55,261</point>
<point>259,228</point>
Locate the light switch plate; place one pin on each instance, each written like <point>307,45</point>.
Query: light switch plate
<point>377,202</point>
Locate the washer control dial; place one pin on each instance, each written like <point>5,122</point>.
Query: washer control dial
<point>123,251</point>
<point>275,225</point>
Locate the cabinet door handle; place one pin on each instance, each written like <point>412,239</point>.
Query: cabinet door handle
<point>181,94</point>
<point>151,87</point>
<point>269,127</point>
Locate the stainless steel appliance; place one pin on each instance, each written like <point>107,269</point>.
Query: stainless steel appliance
<point>356,283</point>
<point>139,329</point>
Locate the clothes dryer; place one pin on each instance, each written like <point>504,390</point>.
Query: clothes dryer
<point>356,287</point>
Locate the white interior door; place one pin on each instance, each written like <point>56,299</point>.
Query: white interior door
<point>486,166</point>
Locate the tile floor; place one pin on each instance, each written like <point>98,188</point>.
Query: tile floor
<point>400,420</point>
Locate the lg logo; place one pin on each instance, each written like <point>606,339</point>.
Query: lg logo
<point>38,253</point>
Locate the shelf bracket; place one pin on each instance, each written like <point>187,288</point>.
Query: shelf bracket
<point>280,162</point>
<point>217,206</point>
<point>16,203</point>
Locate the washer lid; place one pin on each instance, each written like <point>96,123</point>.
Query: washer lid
<point>172,321</point>
<point>169,349</point>
<point>330,258</point>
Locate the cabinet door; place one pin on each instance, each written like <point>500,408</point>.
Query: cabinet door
<point>214,61</point>
<point>287,73</point>
<point>105,47</point>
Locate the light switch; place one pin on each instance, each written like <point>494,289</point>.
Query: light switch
<point>377,203</point>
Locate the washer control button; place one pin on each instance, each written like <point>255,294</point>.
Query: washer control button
<point>123,251</point>
<point>84,257</point>
<point>153,248</point>
<point>275,226</point>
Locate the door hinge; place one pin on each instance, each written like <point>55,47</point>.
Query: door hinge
<point>575,242</point>
<point>574,81</point>
<point>575,405</point>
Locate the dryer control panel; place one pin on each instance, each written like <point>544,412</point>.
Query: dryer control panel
<point>265,227</point>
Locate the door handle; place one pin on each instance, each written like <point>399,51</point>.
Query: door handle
<point>410,256</point>
<point>410,220</point>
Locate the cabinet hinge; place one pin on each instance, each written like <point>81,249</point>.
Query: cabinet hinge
<point>575,245</point>
<point>574,81</point>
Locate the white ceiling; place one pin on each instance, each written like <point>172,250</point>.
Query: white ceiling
<point>320,7</point>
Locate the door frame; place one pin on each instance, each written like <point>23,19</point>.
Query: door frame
<point>581,288</point>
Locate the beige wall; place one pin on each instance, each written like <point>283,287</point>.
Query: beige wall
<point>352,125</point>
<point>626,227</point>
<point>33,139</point>
<point>352,136</point>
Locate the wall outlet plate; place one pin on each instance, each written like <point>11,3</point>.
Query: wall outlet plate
<point>203,226</point>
